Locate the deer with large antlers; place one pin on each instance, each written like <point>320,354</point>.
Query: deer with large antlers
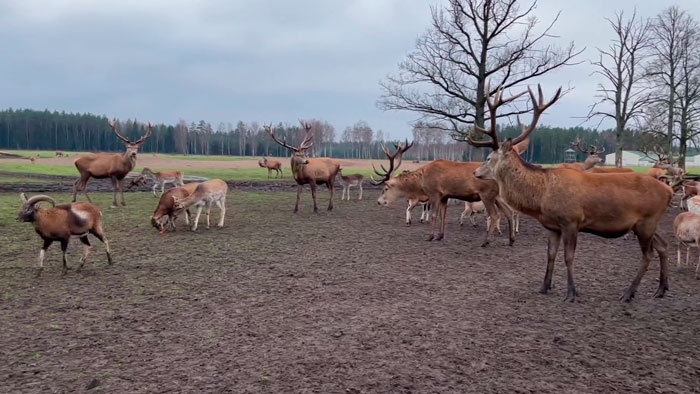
<point>105,165</point>
<point>306,170</point>
<point>567,202</point>
<point>662,168</point>
<point>592,159</point>
<point>440,180</point>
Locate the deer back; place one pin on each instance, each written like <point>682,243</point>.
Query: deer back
<point>456,180</point>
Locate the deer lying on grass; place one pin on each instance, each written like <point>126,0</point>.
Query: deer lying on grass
<point>159,179</point>
<point>567,202</point>
<point>686,227</point>
<point>165,214</point>
<point>311,171</point>
<point>271,165</point>
<point>348,181</point>
<point>105,165</point>
<point>204,195</point>
<point>62,222</point>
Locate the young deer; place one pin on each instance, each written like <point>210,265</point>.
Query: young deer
<point>686,226</point>
<point>204,195</point>
<point>567,202</point>
<point>165,215</point>
<point>348,181</point>
<point>271,165</point>
<point>161,178</point>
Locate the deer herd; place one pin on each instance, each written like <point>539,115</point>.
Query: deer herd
<point>565,199</point>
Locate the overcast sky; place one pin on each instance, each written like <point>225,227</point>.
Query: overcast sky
<point>249,60</point>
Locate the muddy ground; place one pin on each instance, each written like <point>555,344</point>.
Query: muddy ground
<point>345,302</point>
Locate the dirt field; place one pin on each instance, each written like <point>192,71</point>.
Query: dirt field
<point>148,160</point>
<point>345,302</point>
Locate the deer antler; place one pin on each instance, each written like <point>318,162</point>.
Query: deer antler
<point>597,149</point>
<point>307,142</point>
<point>270,130</point>
<point>113,125</point>
<point>538,107</point>
<point>657,151</point>
<point>577,144</point>
<point>493,105</point>
<point>386,175</point>
<point>146,136</point>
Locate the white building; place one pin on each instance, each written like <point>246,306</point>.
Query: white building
<point>631,158</point>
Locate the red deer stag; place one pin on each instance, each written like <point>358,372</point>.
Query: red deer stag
<point>567,202</point>
<point>109,165</point>
<point>348,181</point>
<point>271,165</point>
<point>662,165</point>
<point>311,171</point>
<point>591,161</point>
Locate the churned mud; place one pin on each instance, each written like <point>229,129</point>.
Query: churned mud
<point>345,302</point>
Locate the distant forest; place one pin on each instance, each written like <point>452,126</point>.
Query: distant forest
<point>45,130</point>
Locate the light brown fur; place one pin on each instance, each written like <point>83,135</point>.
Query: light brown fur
<point>271,165</point>
<point>165,214</point>
<point>204,195</point>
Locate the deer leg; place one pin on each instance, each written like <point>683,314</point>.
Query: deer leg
<point>466,212</point>
<point>645,243</point>
<point>75,188</point>
<point>331,187</point>
<point>196,218</point>
<point>64,247</point>
<point>697,267</point>
<point>443,220</point>
<point>360,192</point>
<point>342,195</point>
<point>492,211</point>
<point>296,206</point>
<point>313,195</point>
<point>570,239</point>
<point>99,233</point>
<point>120,182</point>
<point>42,256</point>
<point>208,206</point>
<point>678,255</point>
<point>509,217</point>
<point>410,207</point>
<point>86,251</point>
<point>516,220</point>
<point>187,216</point>
<point>162,188</point>
<point>660,245</point>
<point>84,183</point>
<point>436,206</point>
<point>153,190</point>
<point>552,248</point>
<point>222,206</point>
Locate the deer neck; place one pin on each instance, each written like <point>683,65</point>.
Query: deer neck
<point>128,161</point>
<point>588,164</point>
<point>521,184</point>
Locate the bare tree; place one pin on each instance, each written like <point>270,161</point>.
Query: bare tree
<point>687,94</point>
<point>470,41</point>
<point>625,91</point>
<point>668,30</point>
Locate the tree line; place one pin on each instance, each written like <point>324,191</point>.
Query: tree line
<point>44,130</point>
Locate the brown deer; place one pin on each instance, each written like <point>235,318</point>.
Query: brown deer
<point>441,180</point>
<point>311,171</point>
<point>271,165</point>
<point>662,165</point>
<point>567,202</point>
<point>165,215</point>
<point>591,161</point>
<point>204,195</point>
<point>348,181</point>
<point>109,165</point>
<point>59,153</point>
<point>159,179</point>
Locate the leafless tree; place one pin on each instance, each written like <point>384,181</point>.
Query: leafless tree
<point>687,94</point>
<point>470,41</point>
<point>668,30</point>
<point>625,91</point>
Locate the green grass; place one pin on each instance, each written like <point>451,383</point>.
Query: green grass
<point>49,154</point>
<point>42,153</point>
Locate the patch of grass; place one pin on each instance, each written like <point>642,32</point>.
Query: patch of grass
<point>206,157</point>
<point>39,168</point>
<point>41,153</point>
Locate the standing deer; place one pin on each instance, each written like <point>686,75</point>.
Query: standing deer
<point>59,153</point>
<point>271,165</point>
<point>567,202</point>
<point>109,165</point>
<point>311,171</point>
<point>686,227</point>
<point>204,195</point>
<point>159,179</point>
<point>348,181</point>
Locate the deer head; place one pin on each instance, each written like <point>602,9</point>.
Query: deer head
<point>502,150</point>
<point>390,192</point>
<point>299,156</point>
<point>593,152</point>
<point>132,147</point>
<point>658,156</point>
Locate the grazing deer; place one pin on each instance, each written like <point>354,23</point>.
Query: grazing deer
<point>567,202</point>
<point>105,165</point>
<point>686,227</point>
<point>60,223</point>
<point>204,195</point>
<point>59,153</point>
<point>271,165</point>
<point>311,171</point>
<point>348,181</point>
<point>165,215</point>
<point>159,179</point>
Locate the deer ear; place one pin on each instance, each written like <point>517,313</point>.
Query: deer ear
<point>506,146</point>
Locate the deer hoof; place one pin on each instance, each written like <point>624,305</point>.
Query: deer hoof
<point>430,237</point>
<point>661,292</point>
<point>440,236</point>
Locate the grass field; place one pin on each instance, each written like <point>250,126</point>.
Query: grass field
<point>50,154</point>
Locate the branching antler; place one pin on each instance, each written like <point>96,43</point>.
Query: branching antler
<point>386,174</point>
<point>493,105</point>
<point>538,108</point>
<point>657,150</point>
<point>113,125</point>
<point>149,132</point>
